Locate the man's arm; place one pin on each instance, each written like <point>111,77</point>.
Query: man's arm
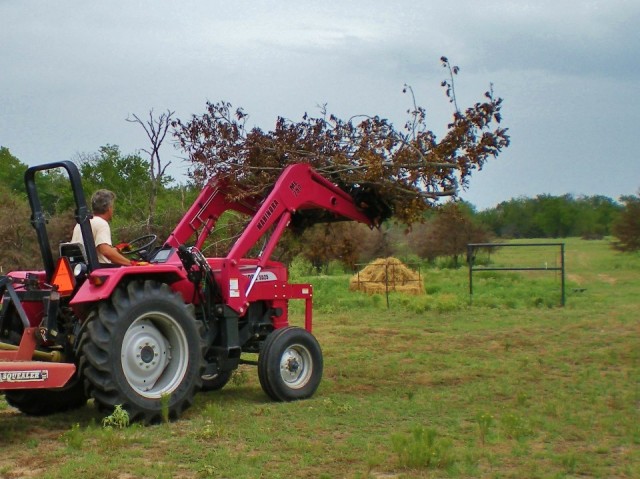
<point>113,255</point>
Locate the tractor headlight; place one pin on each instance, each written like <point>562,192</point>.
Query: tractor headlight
<point>80,270</point>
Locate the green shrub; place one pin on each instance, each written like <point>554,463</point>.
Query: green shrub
<point>432,289</point>
<point>335,267</point>
<point>300,266</point>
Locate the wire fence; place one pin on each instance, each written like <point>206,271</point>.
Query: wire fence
<point>387,278</point>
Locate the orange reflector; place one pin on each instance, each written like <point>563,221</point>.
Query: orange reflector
<point>98,280</point>
<point>63,277</point>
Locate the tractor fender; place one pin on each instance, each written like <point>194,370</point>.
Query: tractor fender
<point>102,282</point>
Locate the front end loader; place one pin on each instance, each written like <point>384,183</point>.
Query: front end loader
<point>150,337</point>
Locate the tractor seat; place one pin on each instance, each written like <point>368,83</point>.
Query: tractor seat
<point>74,252</point>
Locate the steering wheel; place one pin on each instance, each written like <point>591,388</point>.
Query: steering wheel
<point>140,246</point>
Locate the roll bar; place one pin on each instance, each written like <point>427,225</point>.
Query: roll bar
<point>82,214</point>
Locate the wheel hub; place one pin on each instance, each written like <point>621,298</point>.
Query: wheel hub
<point>145,355</point>
<point>294,366</point>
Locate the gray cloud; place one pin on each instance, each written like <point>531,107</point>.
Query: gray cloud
<point>72,71</point>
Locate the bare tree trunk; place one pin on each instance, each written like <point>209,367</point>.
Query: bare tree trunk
<point>156,130</point>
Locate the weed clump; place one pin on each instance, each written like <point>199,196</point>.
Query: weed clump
<point>73,438</point>
<point>118,419</point>
<point>422,449</point>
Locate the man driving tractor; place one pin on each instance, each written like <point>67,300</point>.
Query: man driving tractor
<point>102,205</point>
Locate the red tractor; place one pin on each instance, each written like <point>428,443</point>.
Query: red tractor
<point>146,336</point>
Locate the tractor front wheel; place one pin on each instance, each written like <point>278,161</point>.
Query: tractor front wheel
<point>290,364</point>
<point>144,352</point>
<point>215,382</point>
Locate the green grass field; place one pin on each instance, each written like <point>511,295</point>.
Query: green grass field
<point>512,386</point>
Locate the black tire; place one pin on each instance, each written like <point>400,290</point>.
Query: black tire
<point>262,360</point>
<point>144,344</point>
<point>290,364</point>
<point>215,382</point>
<point>42,402</point>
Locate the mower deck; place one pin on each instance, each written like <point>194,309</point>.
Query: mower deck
<point>19,371</point>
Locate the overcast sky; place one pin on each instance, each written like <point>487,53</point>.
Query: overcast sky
<point>569,73</point>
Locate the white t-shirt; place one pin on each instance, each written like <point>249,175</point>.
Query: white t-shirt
<point>101,235</point>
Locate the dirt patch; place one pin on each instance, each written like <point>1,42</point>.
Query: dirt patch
<point>25,472</point>
<point>575,278</point>
<point>387,274</point>
<point>607,279</point>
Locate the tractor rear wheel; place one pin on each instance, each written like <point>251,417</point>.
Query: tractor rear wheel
<point>144,351</point>
<point>290,364</point>
<point>42,402</point>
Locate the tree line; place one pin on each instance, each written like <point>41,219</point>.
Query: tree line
<point>548,216</point>
<point>443,232</point>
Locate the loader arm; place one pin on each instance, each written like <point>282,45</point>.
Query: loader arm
<point>201,217</point>
<point>298,188</point>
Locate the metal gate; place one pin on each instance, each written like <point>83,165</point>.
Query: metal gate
<point>472,247</point>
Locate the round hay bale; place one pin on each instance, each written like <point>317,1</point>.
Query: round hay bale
<point>385,274</point>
